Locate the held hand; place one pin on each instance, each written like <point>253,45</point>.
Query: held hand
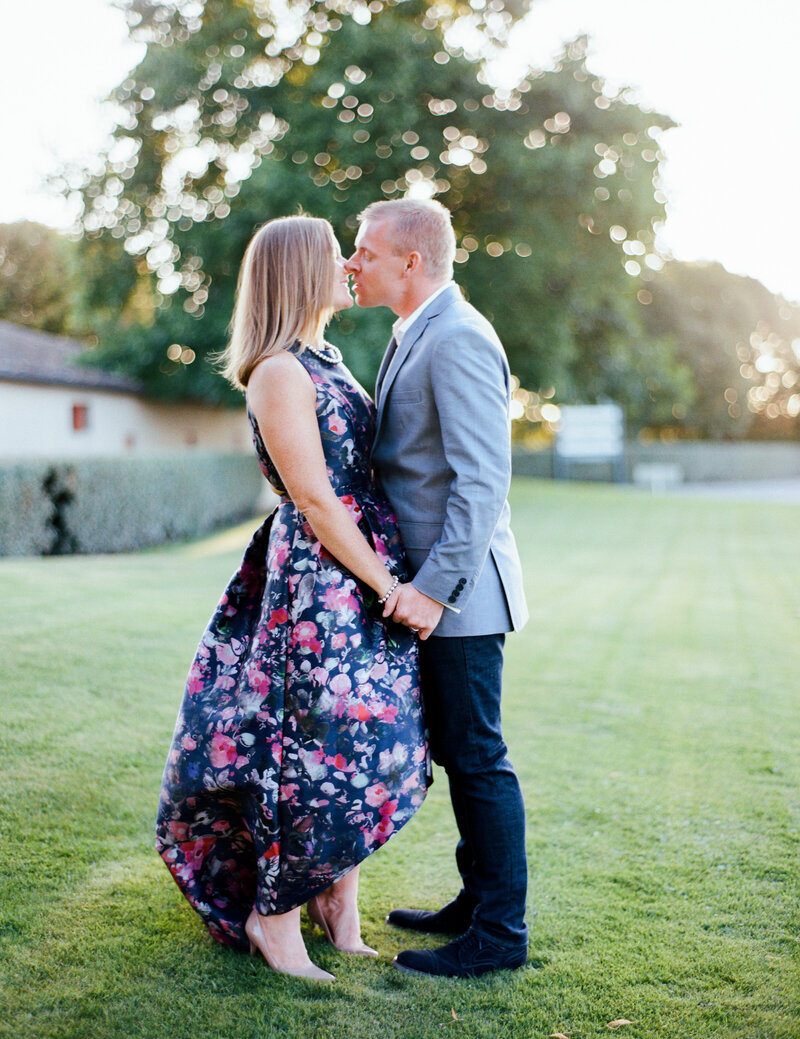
<point>414,609</point>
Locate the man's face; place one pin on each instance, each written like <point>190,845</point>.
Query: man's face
<point>375,268</point>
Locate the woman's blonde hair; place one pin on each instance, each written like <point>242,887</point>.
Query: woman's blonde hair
<point>284,294</point>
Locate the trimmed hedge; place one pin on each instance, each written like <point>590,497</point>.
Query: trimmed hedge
<point>26,509</point>
<point>122,504</point>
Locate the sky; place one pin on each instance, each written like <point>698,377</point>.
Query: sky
<point>724,70</point>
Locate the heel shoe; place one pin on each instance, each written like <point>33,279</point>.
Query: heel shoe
<point>258,943</point>
<point>317,915</point>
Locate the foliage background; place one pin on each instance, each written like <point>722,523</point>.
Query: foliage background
<point>240,112</point>
<point>234,117</point>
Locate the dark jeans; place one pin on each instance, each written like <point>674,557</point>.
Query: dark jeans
<point>461,682</point>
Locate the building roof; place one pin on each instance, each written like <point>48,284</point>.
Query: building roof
<point>28,355</point>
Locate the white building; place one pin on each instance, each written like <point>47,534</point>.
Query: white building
<point>51,407</point>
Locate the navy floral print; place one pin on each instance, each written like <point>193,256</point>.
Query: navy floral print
<point>299,746</point>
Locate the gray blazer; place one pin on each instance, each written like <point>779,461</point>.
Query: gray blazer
<point>442,455</point>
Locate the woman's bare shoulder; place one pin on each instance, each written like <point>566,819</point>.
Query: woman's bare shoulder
<point>278,377</point>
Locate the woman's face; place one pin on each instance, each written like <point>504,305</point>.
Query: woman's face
<point>341,288</point>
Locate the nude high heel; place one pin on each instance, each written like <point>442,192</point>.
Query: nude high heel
<point>317,914</point>
<point>258,943</point>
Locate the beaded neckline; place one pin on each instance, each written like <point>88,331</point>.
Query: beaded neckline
<point>331,355</point>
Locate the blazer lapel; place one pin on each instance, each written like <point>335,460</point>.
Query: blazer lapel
<point>387,360</point>
<point>391,365</point>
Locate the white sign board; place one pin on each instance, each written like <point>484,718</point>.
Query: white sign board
<point>592,432</point>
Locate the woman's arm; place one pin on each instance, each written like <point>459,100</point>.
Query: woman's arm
<point>283,399</point>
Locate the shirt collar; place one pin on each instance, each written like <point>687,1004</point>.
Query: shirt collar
<point>402,325</point>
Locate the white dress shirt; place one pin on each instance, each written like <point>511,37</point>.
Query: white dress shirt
<point>402,325</point>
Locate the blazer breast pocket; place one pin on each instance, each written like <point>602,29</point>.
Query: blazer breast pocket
<point>405,396</point>
<point>404,410</point>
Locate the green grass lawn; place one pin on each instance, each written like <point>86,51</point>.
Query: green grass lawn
<point>651,707</point>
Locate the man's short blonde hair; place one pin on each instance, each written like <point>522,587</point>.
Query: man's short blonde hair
<point>419,225</point>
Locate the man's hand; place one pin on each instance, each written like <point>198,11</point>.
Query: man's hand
<point>414,609</point>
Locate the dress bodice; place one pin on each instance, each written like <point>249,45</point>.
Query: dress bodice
<point>346,419</point>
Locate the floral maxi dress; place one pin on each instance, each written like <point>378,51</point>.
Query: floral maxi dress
<point>299,745</point>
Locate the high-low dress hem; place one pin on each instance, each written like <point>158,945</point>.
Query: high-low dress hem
<point>299,747</point>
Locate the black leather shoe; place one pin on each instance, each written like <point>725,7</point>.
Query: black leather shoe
<point>469,956</point>
<point>454,918</point>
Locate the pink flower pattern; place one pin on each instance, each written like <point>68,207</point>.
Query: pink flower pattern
<point>299,746</point>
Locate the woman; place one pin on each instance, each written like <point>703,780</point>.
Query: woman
<point>299,747</point>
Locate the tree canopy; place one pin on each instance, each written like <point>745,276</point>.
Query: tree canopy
<point>741,344</point>
<point>38,277</point>
<point>240,112</point>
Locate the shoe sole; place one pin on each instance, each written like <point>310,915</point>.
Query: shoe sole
<point>425,930</point>
<point>420,973</point>
<point>453,977</point>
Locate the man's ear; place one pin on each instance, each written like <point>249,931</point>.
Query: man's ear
<point>413,264</point>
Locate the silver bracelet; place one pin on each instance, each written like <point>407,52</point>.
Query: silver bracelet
<point>382,599</point>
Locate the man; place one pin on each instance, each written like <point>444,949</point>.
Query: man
<point>442,455</point>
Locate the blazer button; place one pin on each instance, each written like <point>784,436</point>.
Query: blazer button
<point>462,582</point>
<point>452,598</point>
